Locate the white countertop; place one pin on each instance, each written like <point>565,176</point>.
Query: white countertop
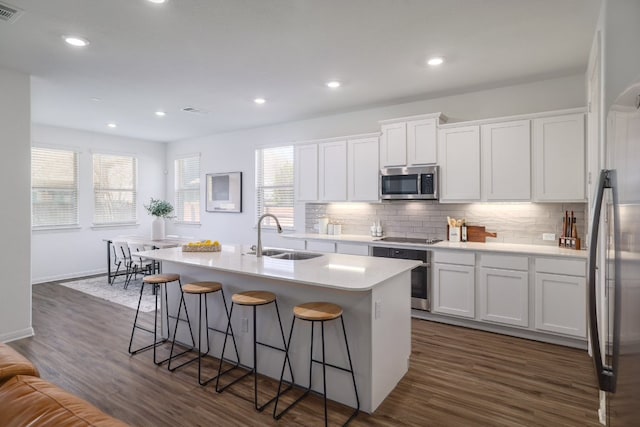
<point>471,246</point>
<point>337,271</point>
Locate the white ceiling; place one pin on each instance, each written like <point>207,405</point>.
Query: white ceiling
<point>218,55</point>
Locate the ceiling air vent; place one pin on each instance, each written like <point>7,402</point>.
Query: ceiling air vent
<point>194,110</point>
<point>9,13</point>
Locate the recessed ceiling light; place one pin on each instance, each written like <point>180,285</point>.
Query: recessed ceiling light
<point>76,41</point>
<point>436,60</point>
<point>112,125</point>
<point>160,113</point>
<point>96,99</point>
<point>158,1</point>
<point>259,100</point>
<point>334,84</point>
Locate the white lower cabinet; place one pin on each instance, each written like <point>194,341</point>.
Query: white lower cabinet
<point>503,289</point>
<point>561,300</point>
<point>504,296</point>
<point>454,289</point>
<point>321,246</point>
<point>352,248</point>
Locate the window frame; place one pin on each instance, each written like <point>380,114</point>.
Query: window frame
<point>76,153</point>
<point>176,188</point>
<point>134,210</point>
<point>259,188</point>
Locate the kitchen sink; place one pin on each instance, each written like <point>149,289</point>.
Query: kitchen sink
<point>268,252</point>
<point>295,256</point>
<point>288,255</point>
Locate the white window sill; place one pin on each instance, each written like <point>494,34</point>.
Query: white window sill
<point>59,228</point>
<point>116,225</point>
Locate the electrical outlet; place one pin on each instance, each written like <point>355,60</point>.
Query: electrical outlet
<point>549,236</point>
<point>245,325</point>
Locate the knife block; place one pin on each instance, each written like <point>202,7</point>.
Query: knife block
<point>569,242</point>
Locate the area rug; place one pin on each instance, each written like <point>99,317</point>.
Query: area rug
<point>98,287</point>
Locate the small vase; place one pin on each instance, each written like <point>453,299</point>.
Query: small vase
<point>157,229</point>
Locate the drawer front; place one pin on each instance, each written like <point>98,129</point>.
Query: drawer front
<point>321,246</point>
<point>506,262</point>
<point>352,249</point>
<point>568,267</point>
<point>454,257</point>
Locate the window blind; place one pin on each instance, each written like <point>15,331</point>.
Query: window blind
<point>187,189</point>
<point>114,189</point>
<point>54,187</point>
<point>274,185</point>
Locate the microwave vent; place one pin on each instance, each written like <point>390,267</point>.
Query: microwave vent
<point>9,13</point>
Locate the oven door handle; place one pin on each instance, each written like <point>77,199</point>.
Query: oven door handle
<point>425,264</point>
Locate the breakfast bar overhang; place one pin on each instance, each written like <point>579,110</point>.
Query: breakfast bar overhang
<point>375,294</point>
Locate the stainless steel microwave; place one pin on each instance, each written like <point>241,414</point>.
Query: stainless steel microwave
<point>409,183</point>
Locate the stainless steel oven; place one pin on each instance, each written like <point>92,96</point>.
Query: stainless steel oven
<point>420,276</point>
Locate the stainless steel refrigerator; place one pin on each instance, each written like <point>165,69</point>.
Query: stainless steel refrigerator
<point>614,281</point>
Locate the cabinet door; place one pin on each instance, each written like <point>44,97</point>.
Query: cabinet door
<point>393,145</point>
<point>333,171</point>
<point>306,173</point>
<point>506,160</point>
<point>561,304</point>
<point>454,290</point>
<point>559,162</point>
<point>459,150</point>
<point>421,142</point>
<point>363,170</point>
<point>321,246</point>
<point>352,248</point>
<point>504,296</point>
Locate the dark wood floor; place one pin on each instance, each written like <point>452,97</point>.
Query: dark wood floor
<point>458,376</point>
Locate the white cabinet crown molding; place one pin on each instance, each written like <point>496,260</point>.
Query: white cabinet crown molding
<point>442,118</point>
<point>338,138</point>
<point>529,116</point>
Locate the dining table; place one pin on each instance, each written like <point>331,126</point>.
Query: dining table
<point>171,241</point>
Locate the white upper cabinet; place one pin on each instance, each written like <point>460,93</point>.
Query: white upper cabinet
<point>422,141</point>
<point>410,141</point>
<point>506,160</point>
<point>332,174</point>
<point>306,173</point>
<point>459,151</point>
<point>393,145</point>
<point>559,158</point>
<point>362,170</point>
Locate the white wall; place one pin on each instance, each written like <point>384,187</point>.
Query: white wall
<point>235,151</point>
<point>15,182</point>
<point>59,254</point>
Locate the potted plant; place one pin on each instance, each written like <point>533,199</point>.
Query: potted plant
<point>160,209</point>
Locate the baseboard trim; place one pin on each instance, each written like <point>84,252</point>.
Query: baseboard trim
<point>17,335</point>
<point>67,276</point>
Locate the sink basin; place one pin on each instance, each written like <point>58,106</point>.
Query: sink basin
<point>288,255</point>
<point>294,256</point>
<point>268,252</point>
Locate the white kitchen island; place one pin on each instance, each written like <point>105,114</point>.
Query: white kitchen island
<point>375,294</point>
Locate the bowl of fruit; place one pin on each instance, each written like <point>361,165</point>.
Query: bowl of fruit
<point>202,246</point>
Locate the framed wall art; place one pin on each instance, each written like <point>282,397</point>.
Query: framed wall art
<point>224,192</point>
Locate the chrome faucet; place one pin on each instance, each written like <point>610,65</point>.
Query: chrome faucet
<point>259,247</point>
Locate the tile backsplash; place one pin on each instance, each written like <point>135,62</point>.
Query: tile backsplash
<point>513,222</point>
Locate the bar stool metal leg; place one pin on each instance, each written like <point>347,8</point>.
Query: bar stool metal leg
<point>156,342</point>
<point>254,369</point>
<point>202,289</point>
<point>181,304</point>
<point>331,312</point>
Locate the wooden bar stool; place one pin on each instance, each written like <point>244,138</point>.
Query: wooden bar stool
<point>255,299</point>
<point>318,312</point>
<point>202,289</point>
<point>157,280</point>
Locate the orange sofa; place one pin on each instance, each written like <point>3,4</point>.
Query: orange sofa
<point>28,400</point>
